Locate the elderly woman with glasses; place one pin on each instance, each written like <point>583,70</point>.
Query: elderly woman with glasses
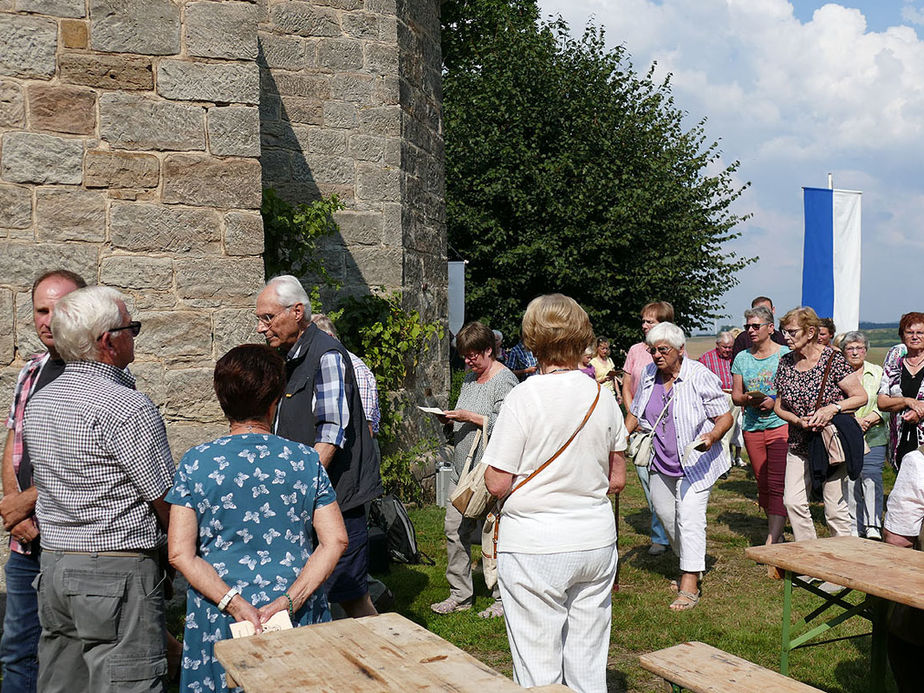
<point>813,383</point>
<point>683,403</point>
<point>902,389</point>
<point>766,435</point>
<point>865,500</point>
<point>483,390</point>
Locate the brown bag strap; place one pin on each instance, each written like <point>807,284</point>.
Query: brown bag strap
<point>824,381</point>
<point>567,442</point>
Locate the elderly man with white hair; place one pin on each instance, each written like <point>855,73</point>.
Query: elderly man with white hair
<point>322,408</point>
<point>101,466</point>
<point>682,402</point>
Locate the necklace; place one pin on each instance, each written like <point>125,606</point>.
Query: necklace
<point>915,364</point>
<point>557,370</point>
<point>262,428</point>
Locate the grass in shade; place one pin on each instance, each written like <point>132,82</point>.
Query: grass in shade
<point>740,611</point>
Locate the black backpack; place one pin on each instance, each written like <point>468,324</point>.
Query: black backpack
<point>389,515</point>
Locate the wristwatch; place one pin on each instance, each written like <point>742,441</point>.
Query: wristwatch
<point>223,604</point>
<point>838,406</point>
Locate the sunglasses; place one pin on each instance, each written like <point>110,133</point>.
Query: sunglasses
<point>756,325</point>
<point>663,350</point>
<point>134,326</point>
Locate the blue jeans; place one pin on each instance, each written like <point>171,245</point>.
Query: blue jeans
<point>865,494</point>
<point>21,629</point>
<point>658,533</point>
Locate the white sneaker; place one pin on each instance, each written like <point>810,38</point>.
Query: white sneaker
<point>873,533</point>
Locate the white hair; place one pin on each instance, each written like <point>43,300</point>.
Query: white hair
<point>666,332</point>
<point>289,291</point>
<point>724,337</point>
<point>324,324</point>
<point>81,317</point>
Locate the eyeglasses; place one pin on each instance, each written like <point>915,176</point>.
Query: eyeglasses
<point>909,333</point>
<point>134,326</point>
<point>663,350</point>
<point>267,318</point>
<point>472,356</point>
<point>756,325</point>
<point>859,347</point>
<point>791,333</point>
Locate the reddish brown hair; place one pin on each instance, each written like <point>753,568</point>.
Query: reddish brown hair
<point>909,319</point>
<point>248,379</point>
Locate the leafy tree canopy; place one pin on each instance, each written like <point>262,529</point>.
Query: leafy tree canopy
<point>568,171</point>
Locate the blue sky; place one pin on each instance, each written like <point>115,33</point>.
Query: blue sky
<point>795,90</point>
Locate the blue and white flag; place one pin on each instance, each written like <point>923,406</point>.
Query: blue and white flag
<point>831,256</point>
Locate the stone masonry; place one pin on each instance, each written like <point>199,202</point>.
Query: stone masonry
<point>135,136</point>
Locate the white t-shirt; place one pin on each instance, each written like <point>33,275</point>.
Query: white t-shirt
<point>905,513</point>
<point>565,506</point>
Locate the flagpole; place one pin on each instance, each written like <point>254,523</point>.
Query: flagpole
<point>830,181</point>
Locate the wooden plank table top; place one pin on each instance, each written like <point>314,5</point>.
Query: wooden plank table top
<point>377,653</point>
<point>872,567</point>
<point>702,668</point>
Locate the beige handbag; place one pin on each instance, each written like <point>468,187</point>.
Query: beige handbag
<point>471,496</point>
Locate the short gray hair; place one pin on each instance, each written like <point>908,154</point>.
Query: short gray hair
<point>855,336</point>
<point>289,291</point>
<point>724,337</point>
<point>324,323</point>
<point>763,313</point>
<point>666,332</point>
<point>81,317</point>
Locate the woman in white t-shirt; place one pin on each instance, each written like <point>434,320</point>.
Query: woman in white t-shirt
<point>556,558</point>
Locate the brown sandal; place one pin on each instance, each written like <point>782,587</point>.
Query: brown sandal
<point>685,601</point>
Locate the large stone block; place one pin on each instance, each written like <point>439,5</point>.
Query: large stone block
<point>382,58</point>
<point>190,395</point>
<point>70,110</point>
<point>287,52</point>
<point>148,27</point>
<point>30,158</point>
<point>197,179</point>
<point>340,54</point>
<point>234,131</point>
<point>361,25</point>
<point>155,228</point>
<point>360,228</point>
<point>183,436</point>
<point>305,19</point>
<point>321,140</point>
<point>367,148</point>
<point>176,333</point>
<point>132,121</point>
<point>107,71</point>
<point>352,87</point>
<point>382,6</point>
<point>27,46</point>
<point>75,33</point>
<point>381,121</point>
<point>305,111</point>
<point>111,169</point>
<point>27,342</point>
<point>378,266</point>
<point>219,282</point>
<point>56,8</point>
<point>220,83</point>
<point>63,214</point>
<point>22,262</point>
<point>7,350</point>
<point>243,233</point>
<point>300,84</point>
<point>233,327</point>
<point>338,114</point>
<point>12,104</point>
<point>137,272</point>
<point>341,4</point>
<point>221,30</point>
<point>324,168</point>
<point>15,207</point>
<point>374,183</point>
<point>149,376</point>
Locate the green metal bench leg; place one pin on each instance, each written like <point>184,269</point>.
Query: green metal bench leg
<point>787,608</point>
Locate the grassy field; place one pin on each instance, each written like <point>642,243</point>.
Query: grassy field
<point>740,611</point>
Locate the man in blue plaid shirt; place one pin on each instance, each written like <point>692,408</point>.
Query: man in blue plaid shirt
<point>322,408</point>
<point>522,362</point>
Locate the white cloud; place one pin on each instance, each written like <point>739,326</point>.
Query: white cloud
<point>793,100</point>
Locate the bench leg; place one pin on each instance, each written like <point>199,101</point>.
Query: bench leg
<point>787,609</point>
<point>878,644</point>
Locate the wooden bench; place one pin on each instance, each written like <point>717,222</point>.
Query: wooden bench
<point>701,668</point>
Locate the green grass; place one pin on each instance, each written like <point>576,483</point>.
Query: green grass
<point>740,611</point>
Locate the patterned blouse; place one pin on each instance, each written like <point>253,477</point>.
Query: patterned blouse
<point>798,392</point>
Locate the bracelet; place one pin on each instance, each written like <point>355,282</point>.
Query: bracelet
<point>223,604</point>
<point>291,606</point>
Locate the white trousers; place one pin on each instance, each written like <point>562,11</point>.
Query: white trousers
<point>558,611</point>
<point>796,489</point>
<point>683,514</point>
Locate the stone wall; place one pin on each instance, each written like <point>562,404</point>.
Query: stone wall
<point>129,145</point>
<point>135,136</point>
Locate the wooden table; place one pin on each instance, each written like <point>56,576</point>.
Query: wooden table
<point>884,573</point>
<point>376,653</point>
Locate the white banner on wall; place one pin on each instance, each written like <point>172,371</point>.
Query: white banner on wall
<point>456,295</point>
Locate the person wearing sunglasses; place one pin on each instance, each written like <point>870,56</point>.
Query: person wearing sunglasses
<point>766,435</point>
<point>682,402</point>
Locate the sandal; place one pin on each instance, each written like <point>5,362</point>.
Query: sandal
<point>496,610</point>
<point>450,605</point>
<point>685,601</point>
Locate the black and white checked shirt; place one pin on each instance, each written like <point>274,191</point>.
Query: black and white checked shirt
<point>100,455</point>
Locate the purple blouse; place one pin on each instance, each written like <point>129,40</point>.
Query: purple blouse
<point>666,458</point>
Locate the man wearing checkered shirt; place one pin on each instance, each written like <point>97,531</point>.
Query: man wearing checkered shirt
<point>322,408</point>
<point>101,468</point>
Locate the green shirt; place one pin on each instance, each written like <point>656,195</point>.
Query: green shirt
<point>758,374</point>
<point>878,434</point>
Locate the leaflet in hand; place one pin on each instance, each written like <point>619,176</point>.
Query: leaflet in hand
<point>278,621</point>
<point>436,411</point>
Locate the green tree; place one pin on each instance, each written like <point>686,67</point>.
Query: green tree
<point>568,171</point>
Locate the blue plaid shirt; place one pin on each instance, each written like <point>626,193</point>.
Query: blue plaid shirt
<point>330,402</point>
<point>519,358</point>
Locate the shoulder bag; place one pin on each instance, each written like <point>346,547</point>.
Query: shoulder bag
<point>492,522</point>
<point>640,449</point>
<point>471,496</point>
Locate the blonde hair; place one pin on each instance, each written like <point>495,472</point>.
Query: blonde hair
<point>804,317</point>
<point>556,329</point>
